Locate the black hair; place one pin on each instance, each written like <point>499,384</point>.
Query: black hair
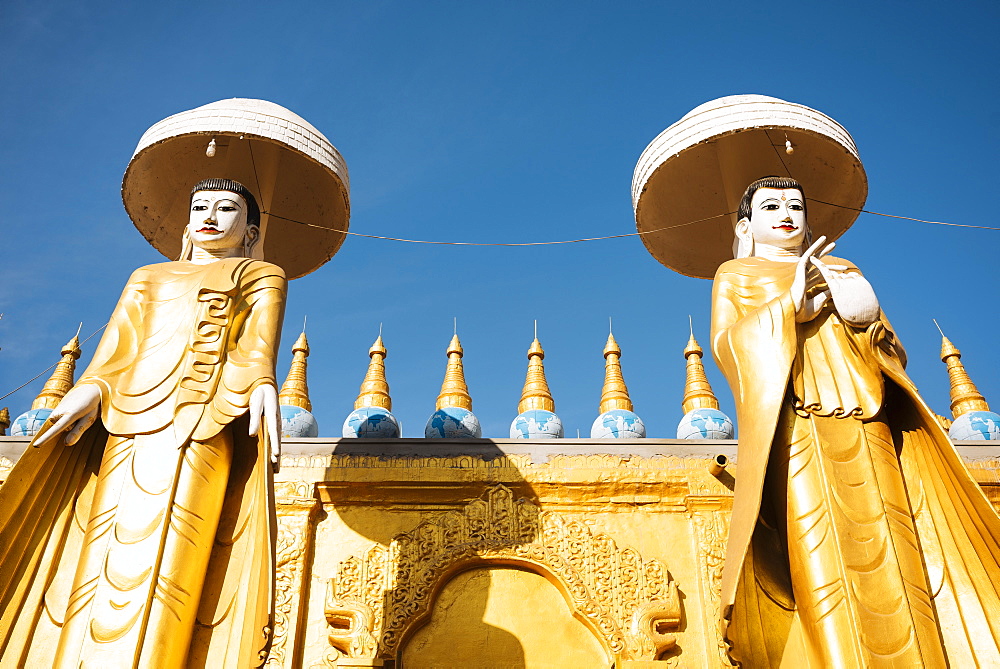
<point>767,182</point>
<point>253,211</point>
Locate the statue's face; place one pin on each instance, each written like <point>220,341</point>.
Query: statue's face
<point>778,217</point>
<point>218,220</point>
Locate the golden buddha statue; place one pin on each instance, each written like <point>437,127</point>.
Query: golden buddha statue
<point>858,537</point>
<point>139,530</point>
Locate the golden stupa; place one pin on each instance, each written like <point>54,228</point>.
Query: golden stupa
<point>375,389</point>
<point>62,377</point>
<point>295,389</point>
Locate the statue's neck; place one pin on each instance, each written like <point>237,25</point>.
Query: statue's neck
<point>776,253</point>
<point>200,256</point>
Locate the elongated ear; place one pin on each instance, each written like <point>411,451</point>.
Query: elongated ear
<point>186,245</point>
<point>743,244</point>
<point>251,243</point>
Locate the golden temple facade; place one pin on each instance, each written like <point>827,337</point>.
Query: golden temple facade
<point>503,552</point>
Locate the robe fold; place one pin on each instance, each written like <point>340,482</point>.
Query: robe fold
<point>858,536</point>
<point>150,542</point>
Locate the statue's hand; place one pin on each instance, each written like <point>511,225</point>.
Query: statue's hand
<point>76,412</point>
<point>853,296</point>
<point>264,409</point>
<point>806,277</point>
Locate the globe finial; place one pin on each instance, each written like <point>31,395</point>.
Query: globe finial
<point>375,389</point>
<point>535,394</point>
<point>62,377</point>
<point>295,389</point>
<point>697,391</point>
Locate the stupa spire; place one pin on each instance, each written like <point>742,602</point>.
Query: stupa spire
<point>62,377</point>
<point>614,395</point>
<point>4,421</point>
<point>535,394</point>
<point>965,397</point>
<point>295,389</point>
<point>697,391</point>
<point>375,389</point>
<point>454,391</point>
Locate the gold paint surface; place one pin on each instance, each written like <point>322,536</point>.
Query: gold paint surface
<point>858,537</point>
<point>132,548</point>
<point>499,619</point>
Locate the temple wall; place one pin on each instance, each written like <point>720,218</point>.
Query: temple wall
<point>503,553</point>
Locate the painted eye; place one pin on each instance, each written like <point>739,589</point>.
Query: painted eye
<point>770,207</point>
<point>227,208</point>
<point>199,207</point>
<point>796,207</point>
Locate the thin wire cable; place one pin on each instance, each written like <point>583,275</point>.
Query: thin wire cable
<point>562,241</point>
<point>629,234</point>
<point>3,397</point>
<point>905,218</point>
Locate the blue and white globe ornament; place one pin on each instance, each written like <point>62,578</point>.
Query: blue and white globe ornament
<point>371,423</point>
<point>536,424</point>
<point>618,424</point>
<point>453,423</point>
<point>297,422</point>
<point>705,423</point>
<point>29,423</point>
<point>976,426</point>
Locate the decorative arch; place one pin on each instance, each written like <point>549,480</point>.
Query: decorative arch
<point>379,599</point>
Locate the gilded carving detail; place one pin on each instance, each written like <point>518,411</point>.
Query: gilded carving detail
<point>632,604</point>
<point>295,529</point>
<point>712,531</point>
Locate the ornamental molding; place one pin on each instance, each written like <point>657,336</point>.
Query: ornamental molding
<point>297,518</point>
<point>712,531</point>
<point>380,598</point>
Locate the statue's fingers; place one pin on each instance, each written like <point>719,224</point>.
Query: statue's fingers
<point>81,426</point>
<point>811,251</point>
<point>255,407</point>
<point>826,249</point>
<point>62,422</point>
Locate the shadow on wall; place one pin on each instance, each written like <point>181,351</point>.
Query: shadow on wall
<point>425,599</point>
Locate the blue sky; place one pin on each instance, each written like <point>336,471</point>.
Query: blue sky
<point>518,121</point>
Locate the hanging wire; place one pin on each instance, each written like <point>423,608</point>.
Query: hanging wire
<point>629,234</point>
<point>562,241</point>
<point>36,376</point>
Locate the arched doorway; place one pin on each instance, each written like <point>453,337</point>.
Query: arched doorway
<point>502,618</point>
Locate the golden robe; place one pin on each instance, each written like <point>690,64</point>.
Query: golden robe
<point>150,542</point>
<point>858,537</point>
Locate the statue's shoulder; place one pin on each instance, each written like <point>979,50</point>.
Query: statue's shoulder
<point>258,269</point>
<point>833,260</point>
<point>737,267</point>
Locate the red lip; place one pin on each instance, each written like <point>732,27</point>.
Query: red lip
<point>785,227</point>
<point>211,230</point>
